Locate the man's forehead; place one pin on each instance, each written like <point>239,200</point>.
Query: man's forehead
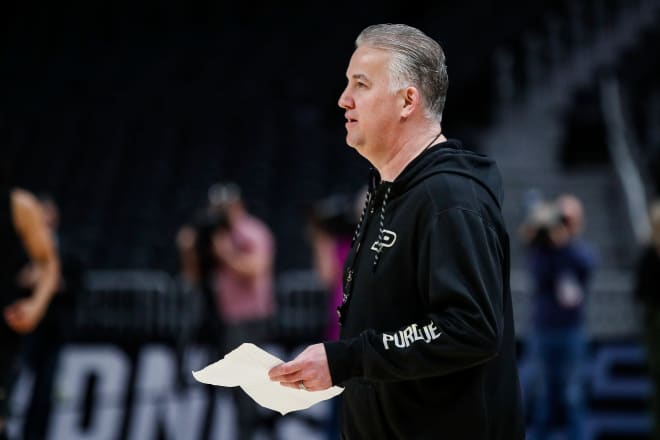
<point>366,63</point>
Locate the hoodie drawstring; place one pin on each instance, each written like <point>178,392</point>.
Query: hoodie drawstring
<point>356,234</point>
<point>381,228</point>
<point>381,223</point>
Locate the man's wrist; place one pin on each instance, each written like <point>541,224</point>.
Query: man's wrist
<point>344,360</point>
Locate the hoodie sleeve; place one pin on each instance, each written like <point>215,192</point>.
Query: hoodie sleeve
<point>460,275</point>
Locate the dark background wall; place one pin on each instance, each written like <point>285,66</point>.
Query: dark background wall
<point>127,112</point>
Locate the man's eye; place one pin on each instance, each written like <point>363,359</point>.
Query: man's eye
<point>361,85</point>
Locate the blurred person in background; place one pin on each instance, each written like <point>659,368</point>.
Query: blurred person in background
<point>24,237</point>
<point>427,347</point>
<point>43,344</point>
<point>560,266</point>
<point>332,221</point>
<point>198,266</point>
<point>197,269</point>
<point>647,291</point>
<point>244,251</point>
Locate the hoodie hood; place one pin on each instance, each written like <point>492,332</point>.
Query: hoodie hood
<point>445,157</point>
<point>450,157</point>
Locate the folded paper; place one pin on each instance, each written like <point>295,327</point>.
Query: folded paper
<point>247,366</point>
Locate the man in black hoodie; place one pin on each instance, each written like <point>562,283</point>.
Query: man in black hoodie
<point>427,347</point>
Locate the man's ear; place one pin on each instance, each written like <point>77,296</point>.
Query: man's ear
<point>411,99</point>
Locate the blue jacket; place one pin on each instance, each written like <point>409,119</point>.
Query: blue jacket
<point>549,268</point>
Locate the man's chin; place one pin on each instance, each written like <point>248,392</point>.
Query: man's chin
<point>351,143</point>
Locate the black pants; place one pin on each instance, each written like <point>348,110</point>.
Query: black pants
<point>10,352</point>
<point>249,419</point>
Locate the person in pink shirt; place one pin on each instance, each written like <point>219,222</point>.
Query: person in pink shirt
<point>244,249</point>
<point>331,222</point>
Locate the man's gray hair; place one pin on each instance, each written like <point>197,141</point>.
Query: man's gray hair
<point>416,60</point>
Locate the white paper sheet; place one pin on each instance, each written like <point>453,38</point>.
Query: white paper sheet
<point>247,366</point>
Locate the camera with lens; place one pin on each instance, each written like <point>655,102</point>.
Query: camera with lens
<point>543,221</point>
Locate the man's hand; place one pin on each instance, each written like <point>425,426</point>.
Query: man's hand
<point>309,368</point>
<point>24,315</point>
<point>223,246</point>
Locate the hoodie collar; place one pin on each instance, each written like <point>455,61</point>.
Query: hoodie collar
<point>445,157</point>
<point>417,167</point>
<point>450,157</point>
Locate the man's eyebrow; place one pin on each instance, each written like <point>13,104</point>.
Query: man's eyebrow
<point>360,76</point>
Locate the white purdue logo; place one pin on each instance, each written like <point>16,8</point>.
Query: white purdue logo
<point>389,237</point>
<point>412,333</point>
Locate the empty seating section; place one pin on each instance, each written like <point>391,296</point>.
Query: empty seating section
<point>126,114</point>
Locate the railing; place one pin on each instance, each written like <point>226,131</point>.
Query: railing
<point>146,305</point>
<point>622,159</point>
<point>136,304</point>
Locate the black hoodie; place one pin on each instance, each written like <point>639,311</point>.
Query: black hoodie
<point>427,347</point>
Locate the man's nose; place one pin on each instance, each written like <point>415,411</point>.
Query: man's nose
<point>345,100</point>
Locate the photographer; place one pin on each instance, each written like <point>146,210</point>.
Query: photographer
<point>228,254</point>
<point>560,267</point>
<point>243,250</point>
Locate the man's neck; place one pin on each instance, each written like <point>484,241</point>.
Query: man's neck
<point>405,152</point>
